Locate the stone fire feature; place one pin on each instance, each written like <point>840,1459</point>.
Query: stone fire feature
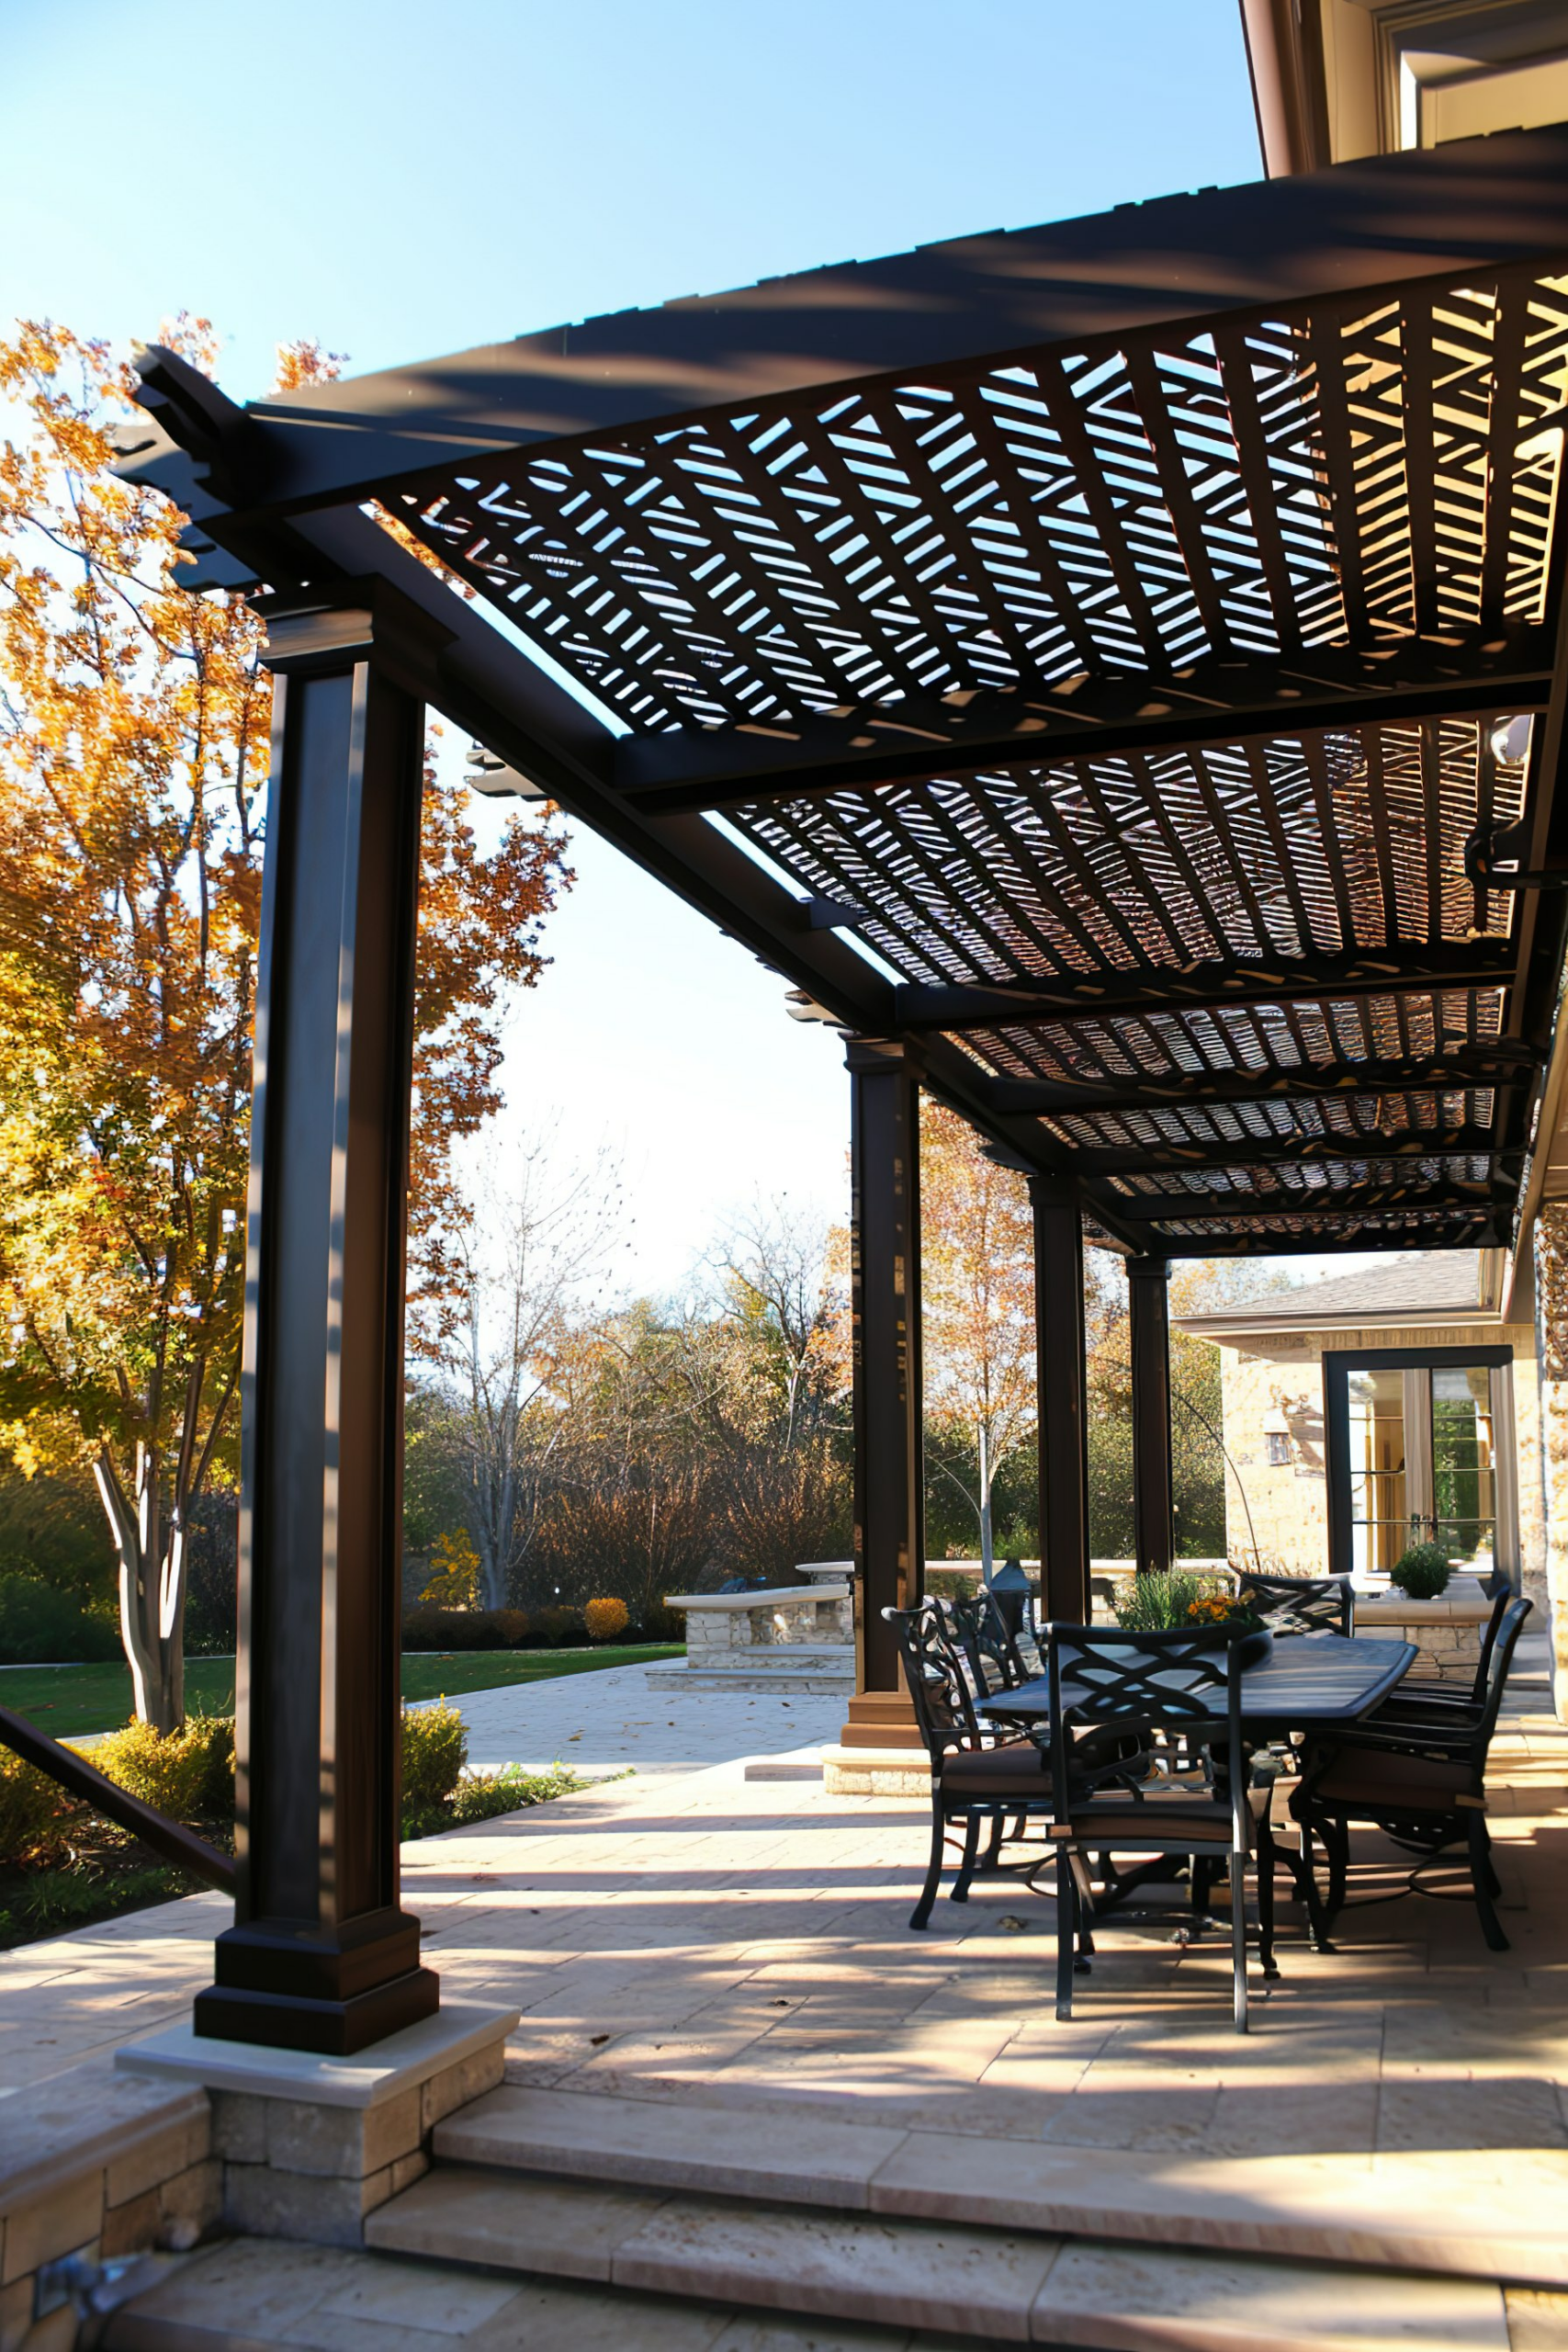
<point>795,1637</point>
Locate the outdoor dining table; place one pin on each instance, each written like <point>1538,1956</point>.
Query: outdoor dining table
<point>1307,1682</point>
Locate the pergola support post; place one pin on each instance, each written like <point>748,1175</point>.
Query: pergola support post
<point>889,1472</point>
<point>1153,1518</point>
<point>1062,1419</point>
<point>320,1956</point>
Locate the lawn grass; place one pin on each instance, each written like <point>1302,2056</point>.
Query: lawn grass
<point>66,1701</point>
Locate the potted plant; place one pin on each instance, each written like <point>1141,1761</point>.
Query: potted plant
<point>1421,1573</point>
<point>1176,1600</point>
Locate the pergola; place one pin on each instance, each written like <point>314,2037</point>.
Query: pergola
<point>1087,662</point>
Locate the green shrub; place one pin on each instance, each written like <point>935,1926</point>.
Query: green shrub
<point>456,1629</point>
<point>1422,1572</point>
<point>560,1625</point>
<point>188,1774</point>
<point>34,1811</point>
<point>40,1626</point>
<point>1158,1600</point>
<point>436,1749</point>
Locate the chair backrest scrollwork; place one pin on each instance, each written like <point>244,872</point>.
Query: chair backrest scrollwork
<point>944,1701</point>
<point>1182,1678</point>
<point>1299,1604</point>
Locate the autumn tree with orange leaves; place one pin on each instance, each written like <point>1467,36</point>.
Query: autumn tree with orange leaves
<point>978,1297</point>
<point>134,722</point>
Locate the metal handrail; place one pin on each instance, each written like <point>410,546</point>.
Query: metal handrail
<point>171,1839</point>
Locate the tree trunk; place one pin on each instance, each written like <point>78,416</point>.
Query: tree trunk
<point>151,1554</point>
<point>988,1548</point>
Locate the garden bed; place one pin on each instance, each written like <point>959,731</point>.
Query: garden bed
<point>62,1867</point>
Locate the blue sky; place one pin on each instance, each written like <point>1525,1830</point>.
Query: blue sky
<point>403,181</point>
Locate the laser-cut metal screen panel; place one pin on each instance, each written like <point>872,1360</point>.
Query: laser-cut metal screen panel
<point>1337,477</point>
<point>1346,478</point>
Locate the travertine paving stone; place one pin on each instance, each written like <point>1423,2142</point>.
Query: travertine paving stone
<point>238,2298</point>
<point>742,1948</point>
<point>1135,2300</point>
<point>668,2145</point>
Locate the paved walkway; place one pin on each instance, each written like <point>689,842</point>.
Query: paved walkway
<point>708,1943</point>
<point>603,1722</point>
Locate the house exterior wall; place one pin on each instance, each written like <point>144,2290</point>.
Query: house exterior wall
<point>1282,1510</point>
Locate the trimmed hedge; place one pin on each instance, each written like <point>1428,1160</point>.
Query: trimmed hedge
<point>501,1629</point>
<point>42,1627</point>
<point>188,1774</point>
<point>436,1749</point>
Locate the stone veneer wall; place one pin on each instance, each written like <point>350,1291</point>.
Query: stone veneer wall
<point>1282,1372</point>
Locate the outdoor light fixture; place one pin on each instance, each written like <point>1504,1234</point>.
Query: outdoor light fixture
<point>1012,1592</point>
<point>492,777</point>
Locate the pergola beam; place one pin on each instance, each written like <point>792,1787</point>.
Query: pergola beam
<point>1164,1208</point>
<point>1211,987</point>
<point>883,745</point>
<point>1168,1157</point>
<point>1464,1068</point>
<point>1419,1232</point>
<point>1225,254</point>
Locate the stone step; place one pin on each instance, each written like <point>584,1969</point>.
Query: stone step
<point>1297,2209</point>
<point>762,1654</point>
<point>751,1680</point>
<point>978,2285</point>
<point>250,2294</point>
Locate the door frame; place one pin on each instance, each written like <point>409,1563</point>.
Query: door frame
<point>1337,1365</point>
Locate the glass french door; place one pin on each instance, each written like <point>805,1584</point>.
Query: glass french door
<point>1423,1454</point>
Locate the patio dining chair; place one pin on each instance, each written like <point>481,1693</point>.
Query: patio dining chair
<point>986,1642</point>
<point>1419,1698</point>
<point>1299,1604</point>
<point>981,1778</point>
<point>1424,1785</point>
<point>1103,1678</point>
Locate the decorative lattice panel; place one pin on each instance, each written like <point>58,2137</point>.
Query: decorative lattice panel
<point>1340,477</point>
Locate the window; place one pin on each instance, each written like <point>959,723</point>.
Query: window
<point>1421,1449</point>
<point>1278,1446</point>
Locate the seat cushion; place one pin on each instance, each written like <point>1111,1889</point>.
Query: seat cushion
<point>1183,1822</point>
<point>1366,1780</point>
<point>1016,1768</point>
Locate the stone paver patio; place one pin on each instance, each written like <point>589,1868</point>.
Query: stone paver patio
<point>622,1715</point>
<point>719,1987</point>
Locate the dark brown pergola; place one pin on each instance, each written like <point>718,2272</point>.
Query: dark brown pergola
<point>1086,663</point>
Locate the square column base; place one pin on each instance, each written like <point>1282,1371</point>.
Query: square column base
<point>882,1719</point>
<point>309,2145</point>
<point>877,1772</point>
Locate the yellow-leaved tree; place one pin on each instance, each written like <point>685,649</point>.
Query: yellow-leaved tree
<point>134,722</point>
<point>977,1292</point>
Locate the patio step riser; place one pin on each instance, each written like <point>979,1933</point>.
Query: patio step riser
<point>989,2285</point>
<point>669,2147</point>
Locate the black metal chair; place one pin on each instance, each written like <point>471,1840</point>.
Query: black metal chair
<point>1420,1698</point>
<point>1299,1604</point>
<point>979,1776</point>
<point>1103,1678</point>
<point>983,1637</point>
<point>1424,1785</point>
